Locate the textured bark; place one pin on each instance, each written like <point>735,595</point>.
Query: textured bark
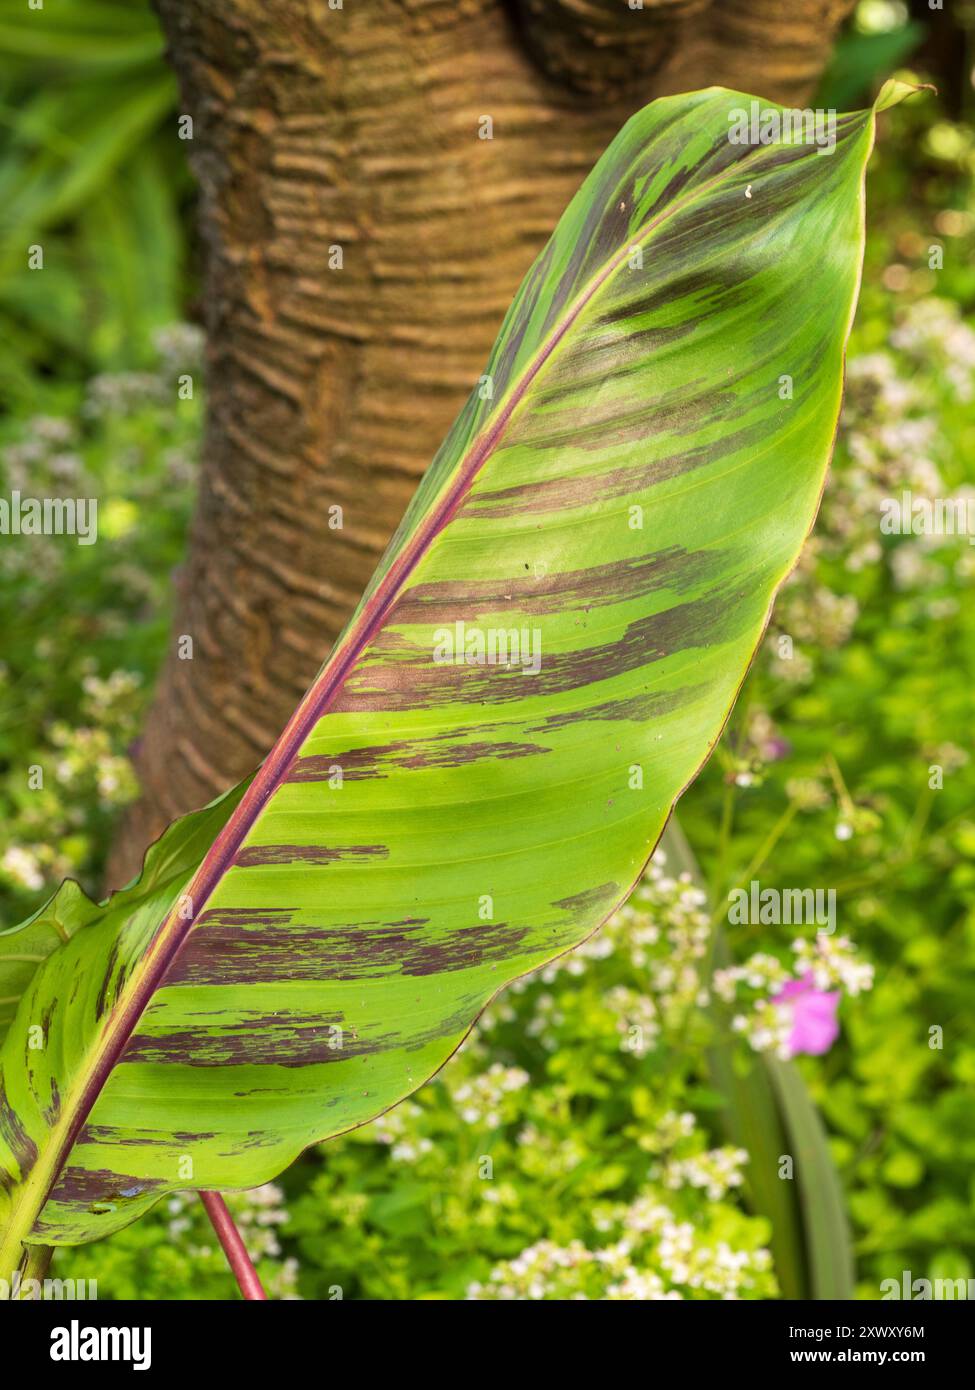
<point>359,127</point>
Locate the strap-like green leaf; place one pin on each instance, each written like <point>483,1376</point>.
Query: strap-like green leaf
<point>769,1113</point>
<point>623,494</point>
<point>829,1252</point>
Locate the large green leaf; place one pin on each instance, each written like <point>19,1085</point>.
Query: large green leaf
<point>630,481</point>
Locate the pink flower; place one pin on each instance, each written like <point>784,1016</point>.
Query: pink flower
<point>814,1024</point>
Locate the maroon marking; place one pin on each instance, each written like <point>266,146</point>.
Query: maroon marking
<point>256,855</point>
<point>90,1185</point>
<point>282,1041</point>
<point>142,1138</point>
<point>225,955</point>
<point>426,685</point>
<point>616,582</point>
<point>636,708</point>
<point>22,1147</point>
<point>589,898</point>
<point>110,983</point>
<point>575,490</point>
<point>440,750</point>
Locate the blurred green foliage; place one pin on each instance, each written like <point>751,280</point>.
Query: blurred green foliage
<point>879,37</point>
<point>84,626</point>
<point>90,171</point>
<point>576,1144</point>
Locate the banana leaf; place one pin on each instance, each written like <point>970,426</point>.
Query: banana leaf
<point>543,661</point>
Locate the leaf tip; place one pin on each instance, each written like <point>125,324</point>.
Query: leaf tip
<point>894,91</point>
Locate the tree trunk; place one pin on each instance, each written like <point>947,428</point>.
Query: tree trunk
<point>358,131</point>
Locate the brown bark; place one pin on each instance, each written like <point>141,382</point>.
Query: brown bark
<point>316,127</point>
